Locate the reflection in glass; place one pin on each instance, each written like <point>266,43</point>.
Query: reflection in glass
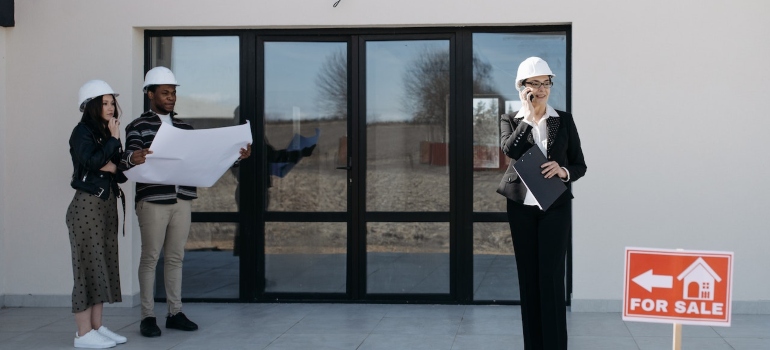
<point>306,94</point>
<point>407,257</point>
<point>220,197</point>
<point>211,270</point>
<point>494,265</point>
<point>305,257</point>
<point>407,114</point>
<point>488,160</point>
<point>496,58</point>
<point>501,53</point>
<point>207,69</point>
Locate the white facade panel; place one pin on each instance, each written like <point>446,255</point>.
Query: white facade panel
<point>665,96</point>
<point>3,165</point>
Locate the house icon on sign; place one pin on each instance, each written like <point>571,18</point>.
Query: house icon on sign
<point>699,281</point>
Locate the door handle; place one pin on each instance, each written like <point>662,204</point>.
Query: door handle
<point>346,167</point>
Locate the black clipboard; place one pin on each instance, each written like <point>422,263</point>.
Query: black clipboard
<point>546,191</point>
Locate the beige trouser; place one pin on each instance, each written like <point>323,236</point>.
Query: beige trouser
<point>163,226</point>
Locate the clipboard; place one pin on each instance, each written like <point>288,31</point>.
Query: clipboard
<point>546,191</point>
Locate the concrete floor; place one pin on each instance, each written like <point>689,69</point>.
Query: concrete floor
<point>369,326</point>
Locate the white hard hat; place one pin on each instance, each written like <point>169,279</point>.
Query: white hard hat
<point>532,67</point>
<point>159,76</point>
<point>91,89</point>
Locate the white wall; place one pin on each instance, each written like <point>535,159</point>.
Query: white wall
<point>55,48</point>
<point>666,96</point>
<point>3,164</point>
<point>668,106</point>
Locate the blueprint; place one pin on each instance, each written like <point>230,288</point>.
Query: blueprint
<point>191,157</point>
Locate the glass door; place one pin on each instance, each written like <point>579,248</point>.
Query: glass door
<point>306,155</point>
<point>407,166</point>
<point>357,205</point>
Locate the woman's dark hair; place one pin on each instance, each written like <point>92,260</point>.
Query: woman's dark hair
<point>92,116</point>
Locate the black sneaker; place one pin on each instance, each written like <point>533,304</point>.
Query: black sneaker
<point>180,322</point>
<point>149,328</point>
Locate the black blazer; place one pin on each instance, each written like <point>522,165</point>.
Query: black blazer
<point>563,147</point>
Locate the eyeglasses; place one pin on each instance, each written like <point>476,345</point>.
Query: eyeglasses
<point>536,84</point>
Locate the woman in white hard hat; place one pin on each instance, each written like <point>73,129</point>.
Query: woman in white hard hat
<point>92,216</point>
<point>540,238</point>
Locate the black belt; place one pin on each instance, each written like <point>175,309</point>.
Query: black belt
<point>123,203</point>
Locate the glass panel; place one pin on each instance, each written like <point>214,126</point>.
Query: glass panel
<point>308,257</point>
<point>407,257</point>
<point>207,69</point>
<point>496,59</point>
<point>306,96</point>
<point>211,266</point>
<point>488,161</point>
<point>407,114</point>
<point>494,265</point>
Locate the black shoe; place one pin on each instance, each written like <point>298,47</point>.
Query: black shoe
<point>149,328</point>
<point>180,322</point>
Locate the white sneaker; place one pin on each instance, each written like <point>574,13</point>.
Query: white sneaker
<point>117,338</point>
<point>93,340</point>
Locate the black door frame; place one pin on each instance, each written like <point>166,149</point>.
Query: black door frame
<point>252,216</point>
<point>374,216</point>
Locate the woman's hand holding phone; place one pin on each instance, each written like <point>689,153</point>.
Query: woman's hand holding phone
<point>526,95</point>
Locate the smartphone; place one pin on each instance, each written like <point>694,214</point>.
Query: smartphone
<point>532,96</point>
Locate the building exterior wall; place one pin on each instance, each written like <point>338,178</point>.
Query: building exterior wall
<point>655,86</point>
<point>3,164</point>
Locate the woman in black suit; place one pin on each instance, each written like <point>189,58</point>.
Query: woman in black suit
<point>540,238</point>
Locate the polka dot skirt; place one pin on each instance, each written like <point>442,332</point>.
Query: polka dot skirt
<point>93,228</point>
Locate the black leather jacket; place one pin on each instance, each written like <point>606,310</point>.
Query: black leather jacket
<point>89,154</point>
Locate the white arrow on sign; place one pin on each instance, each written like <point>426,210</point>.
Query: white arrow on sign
<point>649,281</point>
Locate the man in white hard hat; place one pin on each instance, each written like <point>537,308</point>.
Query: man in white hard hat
<point>164,211</point>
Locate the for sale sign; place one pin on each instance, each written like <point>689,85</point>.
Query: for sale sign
<point>678,286</point>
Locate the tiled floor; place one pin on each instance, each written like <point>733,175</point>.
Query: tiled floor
<point>370,326</point>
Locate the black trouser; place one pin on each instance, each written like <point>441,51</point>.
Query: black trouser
<point>540,243</point>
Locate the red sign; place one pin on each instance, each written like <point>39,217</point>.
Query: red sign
<point>678,286</point>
